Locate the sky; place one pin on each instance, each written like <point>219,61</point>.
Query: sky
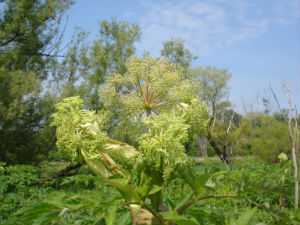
<point>258,41</point>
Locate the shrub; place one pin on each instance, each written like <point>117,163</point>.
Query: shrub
<point>271,139</point>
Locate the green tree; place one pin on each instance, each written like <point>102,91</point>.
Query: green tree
<point>28,38</point>
<point>29,32</point>
<point>271,139</point>
<point>67,74</point>
<point>213,89</point>
<point>108,54</point>
<point>175,51</point>
<point>231,131</point>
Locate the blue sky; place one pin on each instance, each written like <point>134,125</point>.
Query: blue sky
<point>258,41</point>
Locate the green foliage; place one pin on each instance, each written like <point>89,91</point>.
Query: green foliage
<point>244,219</point>
<point>86,199</point>
<point>17,178</point>
<point>66,74</point>
<point>28,34</point>
<point>17,115</point>
<point>179,219</point>
<point>175,51</point>
<point>14,183</point>
<point>28,31</point>
<point>232,136</point>
<point>271,139</point>
<point>107,54</point>
<point>213,87</point>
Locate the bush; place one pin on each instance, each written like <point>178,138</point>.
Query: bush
<point>271,139</point>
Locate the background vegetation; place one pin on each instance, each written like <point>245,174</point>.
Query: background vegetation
<point>38,185</point>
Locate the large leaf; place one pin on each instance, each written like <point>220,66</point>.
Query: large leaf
<point>111,212</point>
<point>244,219</point>
<point>39,214</point>
<point>197,182</point>
<point>95,164</point>
<point>128,191</point>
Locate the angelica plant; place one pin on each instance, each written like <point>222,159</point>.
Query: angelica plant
<point>153,97</point>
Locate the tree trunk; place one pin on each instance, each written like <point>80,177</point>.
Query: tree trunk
<point>213,144</point>
<point>202,145</point>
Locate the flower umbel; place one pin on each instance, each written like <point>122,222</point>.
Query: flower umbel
<point>282,157</point>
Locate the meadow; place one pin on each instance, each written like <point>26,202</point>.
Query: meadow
<point>30,195</point>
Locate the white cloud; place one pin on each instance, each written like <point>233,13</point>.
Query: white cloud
<point>207,25</point>
<point>287,12</point>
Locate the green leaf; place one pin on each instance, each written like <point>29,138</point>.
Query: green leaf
<point>124,219</point>
<point>179,219</point>
<point>111,211</point>
<point>244,218</point>
<point>142,191</point>
<point>39,213</point>
<point>197,182</point>
<point>219,175</point>
<point>96,165</point>
<point>183,201</point>
<point>46,218</point>
<point>128,191</point>
<point>170,203</point>
<point>155,189</point>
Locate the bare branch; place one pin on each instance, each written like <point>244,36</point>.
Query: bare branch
<point>274,95</point>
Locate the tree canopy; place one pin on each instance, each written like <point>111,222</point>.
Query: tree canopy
<point>29,35</point>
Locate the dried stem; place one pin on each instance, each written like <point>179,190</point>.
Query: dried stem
<point>294,140</point>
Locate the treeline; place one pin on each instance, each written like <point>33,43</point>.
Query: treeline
<point>36,72</point>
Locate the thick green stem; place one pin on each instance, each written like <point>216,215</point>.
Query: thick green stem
<point>154,213</point>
